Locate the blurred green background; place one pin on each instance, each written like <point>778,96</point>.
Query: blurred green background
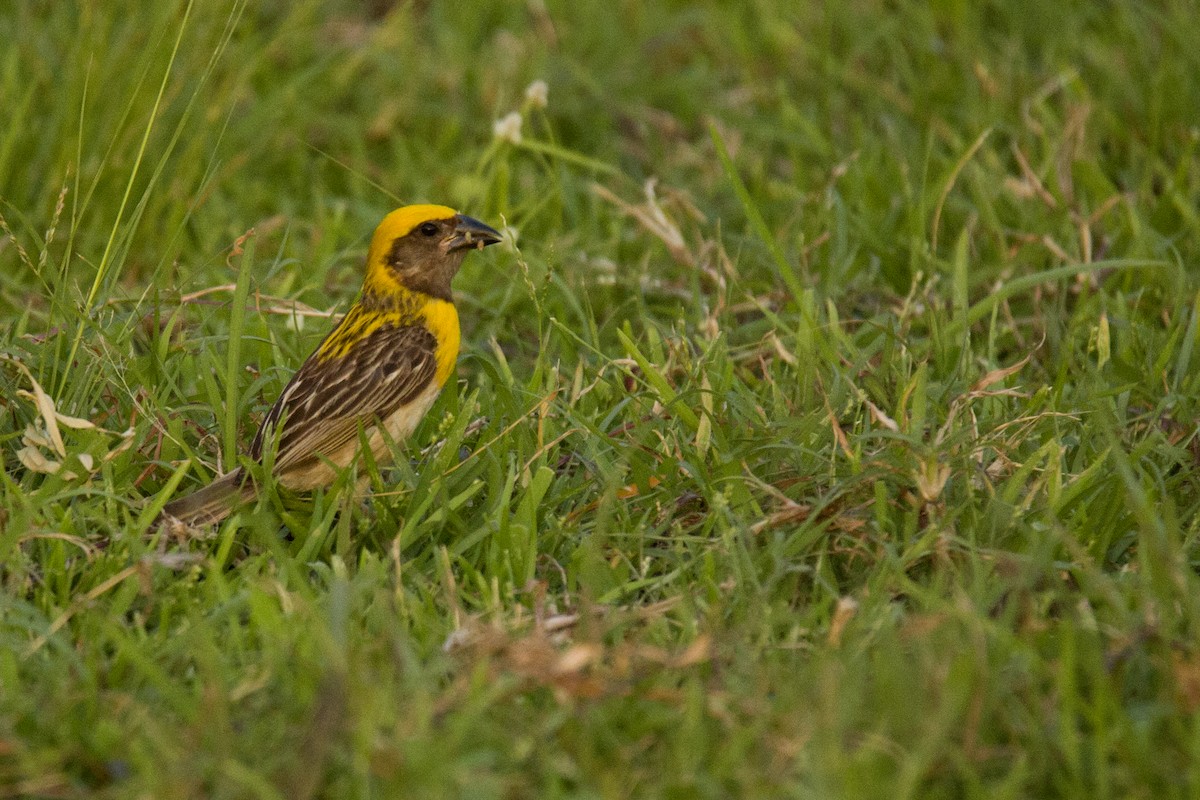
<point>830,430</point>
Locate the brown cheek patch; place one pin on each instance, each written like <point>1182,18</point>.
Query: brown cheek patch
<point>419,265</point>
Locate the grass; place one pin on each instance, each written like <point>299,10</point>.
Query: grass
<point>830,432</point>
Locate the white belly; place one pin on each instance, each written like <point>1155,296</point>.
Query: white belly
<point>399,426</point>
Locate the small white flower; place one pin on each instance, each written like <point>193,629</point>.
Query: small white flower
<point>508,129</point>
<point>537,94</point>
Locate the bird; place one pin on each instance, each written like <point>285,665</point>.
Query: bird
<point>373,377</point>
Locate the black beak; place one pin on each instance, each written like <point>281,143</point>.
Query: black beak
<point>471,233</point>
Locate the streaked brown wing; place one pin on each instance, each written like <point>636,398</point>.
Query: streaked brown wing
<point>326,401</point>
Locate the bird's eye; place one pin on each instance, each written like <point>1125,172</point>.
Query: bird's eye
<point>428,229</point>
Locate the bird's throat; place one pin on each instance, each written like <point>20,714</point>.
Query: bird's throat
<point>441,318</point>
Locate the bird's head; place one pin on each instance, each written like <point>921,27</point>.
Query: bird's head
<point>420,248</point>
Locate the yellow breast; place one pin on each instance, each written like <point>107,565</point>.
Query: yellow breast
<point>442,320</point>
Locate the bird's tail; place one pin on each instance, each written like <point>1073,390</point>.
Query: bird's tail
<point>213,503</point>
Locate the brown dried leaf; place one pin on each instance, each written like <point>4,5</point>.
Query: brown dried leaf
<point>883,419</point>
<point>34,461</point>
<point>35,438</point>
<point>838,433</point>
<point>1185,669</point>
<point>931,479</point>
<point>791,512</point>
<point>577,657</point>
<point>846,608</point>
<point>699,651</point>
<point>997,375</point>
<point>74,423</point>
<point>46,409</point>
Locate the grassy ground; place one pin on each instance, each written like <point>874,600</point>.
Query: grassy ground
<point>830,433</point>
